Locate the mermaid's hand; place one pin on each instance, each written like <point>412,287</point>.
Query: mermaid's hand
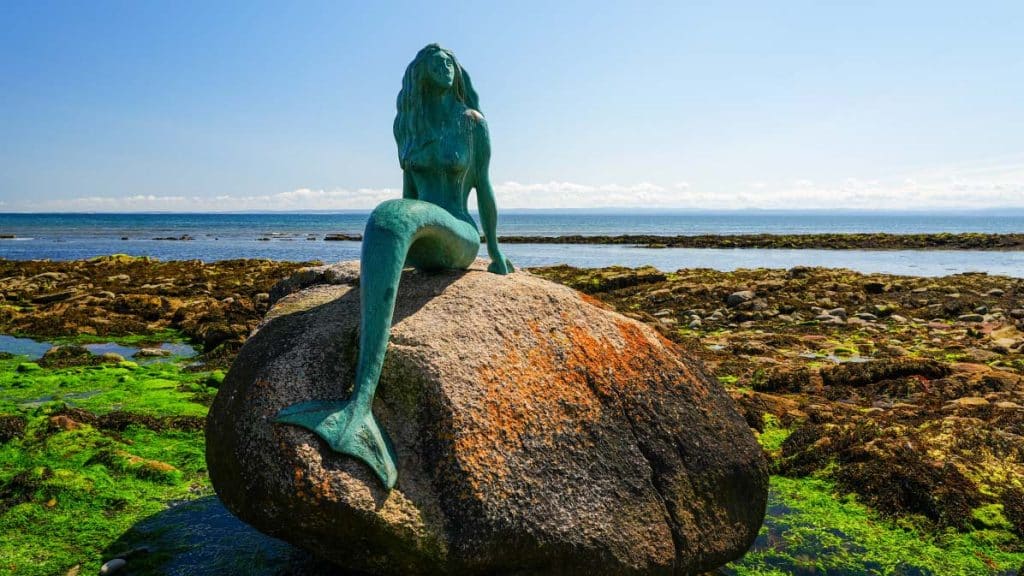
<point>501,265</point>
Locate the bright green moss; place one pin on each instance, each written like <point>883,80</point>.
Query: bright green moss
<point>811,530</point>
<point>69,490</point>
<point>774,434</point>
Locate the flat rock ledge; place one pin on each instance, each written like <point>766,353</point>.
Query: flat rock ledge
<point>536,432</point>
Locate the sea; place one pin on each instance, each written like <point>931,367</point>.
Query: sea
<point>300,237</point>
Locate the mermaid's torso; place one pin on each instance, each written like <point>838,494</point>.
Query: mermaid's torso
<point>441,165</point>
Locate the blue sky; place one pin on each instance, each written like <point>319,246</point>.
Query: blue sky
<point>120,106</point>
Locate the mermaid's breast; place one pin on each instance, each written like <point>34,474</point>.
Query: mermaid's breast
<point>440,154</point>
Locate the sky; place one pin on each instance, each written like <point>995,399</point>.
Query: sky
<point>215,106</point>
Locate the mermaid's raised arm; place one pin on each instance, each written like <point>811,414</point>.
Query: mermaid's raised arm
<point>485,194</point>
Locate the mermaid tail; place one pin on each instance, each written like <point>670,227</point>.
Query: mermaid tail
<point>346,430</point>
<point>427,236</point>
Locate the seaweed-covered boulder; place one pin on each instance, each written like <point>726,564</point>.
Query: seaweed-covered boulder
<point>536,431</point>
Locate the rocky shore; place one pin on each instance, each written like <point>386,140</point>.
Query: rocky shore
<point>872,241</point>
<point>900,394</point>
<point>905,391</point>
<point>854,241</point>
<point>215,305</point>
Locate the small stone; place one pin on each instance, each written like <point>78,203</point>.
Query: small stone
<point>968,402</point>
<point>111,358</point>
<point>696,323</point>
<point>866,316</point>
<point>62,422</point>
<point>875,287</point>
<point>663,312</point>
<point>1017,313</point>
<point>55,296</point>
<point>737,298</point>
<point>838,312</point>
<point>898,319</point>
<point>113,566</point>
<point>1007,405</point>
<point>981,310</point>
<point>338,237</point>
<point>798,272</point>
<point>152,353</point>
<point>995,293</point>
<point>971,318</point>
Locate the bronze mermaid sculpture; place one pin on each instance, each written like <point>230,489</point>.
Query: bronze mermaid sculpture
<point>444,151</point>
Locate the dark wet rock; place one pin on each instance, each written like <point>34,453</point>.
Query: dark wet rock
<point>570,439</point>
<point>865,373</point>
<point>862,241</point>
<point>901,482</point>
<point>336,237</point>
<point>1013,508</point>
<point>55,296</point>
<point>875,287</point>
<point>71,355</point>
<point>11,426</point>
<point>971,318</point>
<point>799,272</point>
<point>784,380</point>
<point>737,298</point>
<point>123,295</point>
<point>838,313</point>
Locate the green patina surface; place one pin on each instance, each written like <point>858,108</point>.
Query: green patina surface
<point>444,151</point>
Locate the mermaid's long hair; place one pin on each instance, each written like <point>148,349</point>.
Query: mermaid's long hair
<point>411,120</point>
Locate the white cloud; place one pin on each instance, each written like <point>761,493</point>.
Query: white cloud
<point>981,185</point>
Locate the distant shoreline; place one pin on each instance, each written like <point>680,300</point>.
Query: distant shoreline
<point>844,241</point>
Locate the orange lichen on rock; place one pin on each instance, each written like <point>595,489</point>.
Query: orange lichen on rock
<point>593,301</point>
<point>567,380</point>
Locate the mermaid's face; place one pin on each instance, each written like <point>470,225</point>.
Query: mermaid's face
<point>440,70</point>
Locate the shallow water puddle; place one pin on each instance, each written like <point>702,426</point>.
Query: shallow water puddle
<point>66,398</point>
<point>23,346</point>
<point>35,349</point>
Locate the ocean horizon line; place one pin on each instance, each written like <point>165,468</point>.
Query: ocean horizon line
<point>625,210</point>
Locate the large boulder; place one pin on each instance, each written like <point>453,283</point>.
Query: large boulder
<point>536,431</point>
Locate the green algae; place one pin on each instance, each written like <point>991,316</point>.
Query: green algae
<point>812,530</point>
<point>135,340</point>
<point>69,487</point>
<point>150,388</point>
<point>773,436</point>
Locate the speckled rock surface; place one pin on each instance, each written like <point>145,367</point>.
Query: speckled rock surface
<point>536,432</point>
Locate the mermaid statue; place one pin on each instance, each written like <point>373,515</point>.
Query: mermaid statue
<point>444,151</point>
